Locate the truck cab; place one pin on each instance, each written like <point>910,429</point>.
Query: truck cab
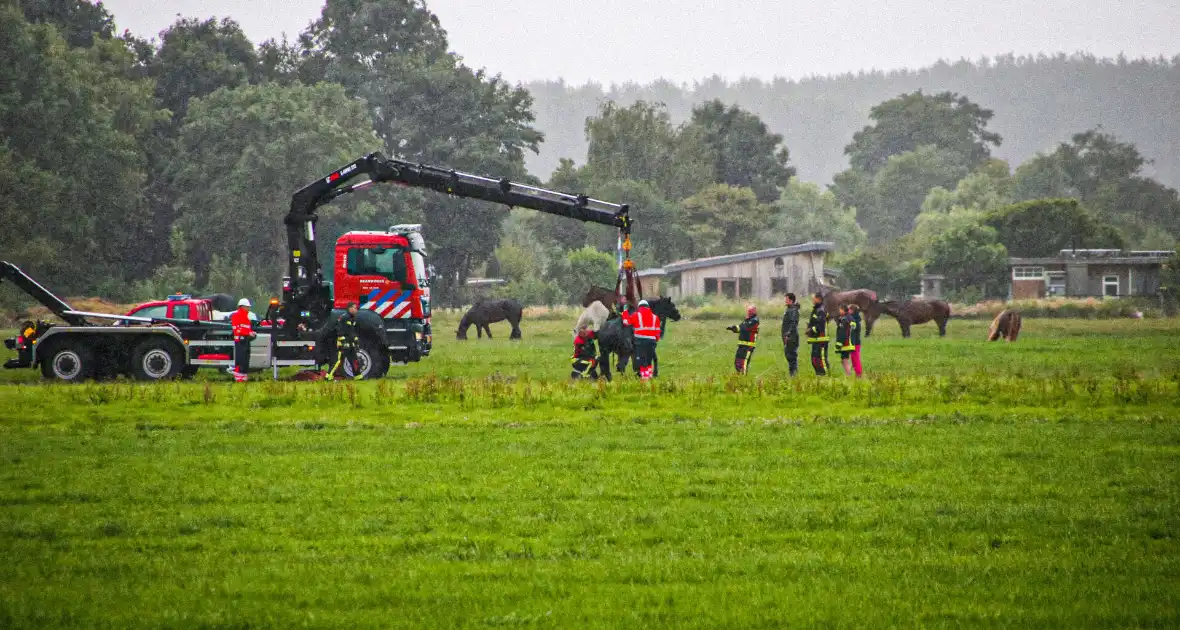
<point>178,306</point>
<point>386,273</point>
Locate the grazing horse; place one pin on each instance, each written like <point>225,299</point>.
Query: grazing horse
<point>1006,325</point>
<point>490,312</point>
<point>617,339</point>
<point>594,316</point>
<point>916,311</point>
<point>864,298</point>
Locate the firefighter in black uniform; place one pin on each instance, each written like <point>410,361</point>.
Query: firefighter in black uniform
<point>585,357</point>
<point>346,343</point>
<point>791,334</point>
<point>747,337</point>
<point>817,335</point>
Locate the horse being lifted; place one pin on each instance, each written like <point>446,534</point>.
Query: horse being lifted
<point>594,316</point>
<point>486,312</point>
<point>910,313</point>
<point>608,297</point>
<point>617,339</point>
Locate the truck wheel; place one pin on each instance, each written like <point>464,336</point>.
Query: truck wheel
<point>372,361</point>
<point>156,360</point>
<point>68,362</point>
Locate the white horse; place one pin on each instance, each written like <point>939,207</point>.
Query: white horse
<point>593,316</point>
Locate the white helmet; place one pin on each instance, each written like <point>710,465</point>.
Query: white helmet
<point>244,302</point>
<point>643,303</point>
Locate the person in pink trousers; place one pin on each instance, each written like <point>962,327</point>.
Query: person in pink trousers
<point>856,324</point>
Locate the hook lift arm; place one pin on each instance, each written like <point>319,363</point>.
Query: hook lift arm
<point>305,296</point>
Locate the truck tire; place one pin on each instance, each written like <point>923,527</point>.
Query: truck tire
<point>374,363</point>
<point>68,361</point>
<point>156,360</point>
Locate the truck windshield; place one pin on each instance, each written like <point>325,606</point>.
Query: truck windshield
<point>387,262</point>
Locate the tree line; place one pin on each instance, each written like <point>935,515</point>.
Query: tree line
<point>136,168</point>
<point>1038,101</point>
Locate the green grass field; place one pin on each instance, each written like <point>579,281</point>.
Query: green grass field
<point>963,483</point>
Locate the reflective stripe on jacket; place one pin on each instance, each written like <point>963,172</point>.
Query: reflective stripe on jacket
<point>748,331</point>
<point>240,321</point>
<point>645,323</point>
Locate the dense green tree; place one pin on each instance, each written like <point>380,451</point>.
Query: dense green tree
<point>746,153</point>
<point>282,61</point>
<point>722,219</point>
<point>1103,172</point>
<point>72,130</point>
<point>579,269</point>
<point>974,263</point>
<point>1044,227</point>
<point>804,212</point>
<point>243,152</point>
<point>198,57</point>
<point>898,189</point>
<point>947,121</point>
<point>1041,178</point>
<point>633,142</point>
<point>886,270</point>
<point>354,36</point>
<point>657,230</point>
<point>989,188</point>
<point>1093,159</point>
<point>78,21</point>
<point>639,143</point>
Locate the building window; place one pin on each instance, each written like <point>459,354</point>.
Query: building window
<point>1110,286</point>
<point>1056,284</point>
<point>745,287</point>
<point>710,286</point>
<point>778,286</point>
<point>729,289</point>
<point>1028,273</point>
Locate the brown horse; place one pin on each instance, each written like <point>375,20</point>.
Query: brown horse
<point>608,297</point>
<point>490,312</point>
<point>864,298</point>
<point>912,312</point>
<point>1006,325</point>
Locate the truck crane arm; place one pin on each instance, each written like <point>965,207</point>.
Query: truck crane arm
<point>305,295</point>
<point>45,297</point>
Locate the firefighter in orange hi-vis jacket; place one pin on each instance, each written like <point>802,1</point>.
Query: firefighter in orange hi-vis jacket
<point>243,331</point>
<point>646,325</point>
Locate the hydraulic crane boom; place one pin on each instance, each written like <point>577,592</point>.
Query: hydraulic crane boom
<point>56,305</point>
<point>306,295</point>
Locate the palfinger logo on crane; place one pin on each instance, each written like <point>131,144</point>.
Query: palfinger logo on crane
<point>337,175</point>
<point>389,303</point>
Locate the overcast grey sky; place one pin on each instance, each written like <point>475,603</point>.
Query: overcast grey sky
<point>682,40</point>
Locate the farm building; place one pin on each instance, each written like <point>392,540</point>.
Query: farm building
<point>756,275</point>
<point>1088,273</point>
<point>649,280</point>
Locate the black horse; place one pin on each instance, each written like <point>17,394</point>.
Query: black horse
<point>617,339</point>
<point>490,312</point>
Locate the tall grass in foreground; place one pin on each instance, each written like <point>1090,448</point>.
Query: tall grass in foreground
<point>728,395</point>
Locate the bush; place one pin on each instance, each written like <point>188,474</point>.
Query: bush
<point>1062,308</point>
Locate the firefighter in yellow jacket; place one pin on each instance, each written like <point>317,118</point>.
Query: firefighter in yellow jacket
<point>747,337</point>
<point>817,335</point>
